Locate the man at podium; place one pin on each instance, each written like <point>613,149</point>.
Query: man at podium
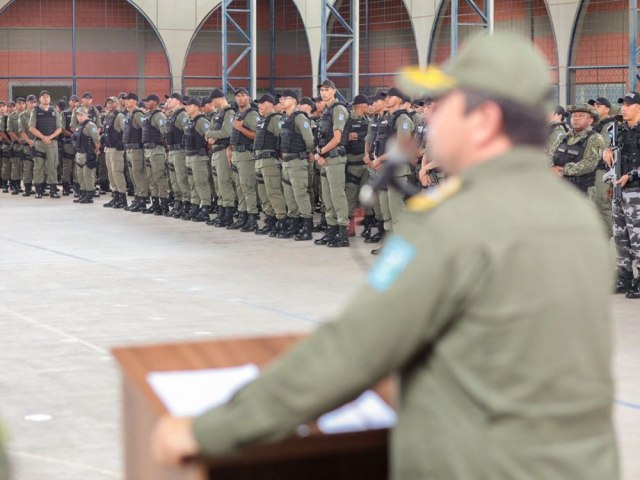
<point>490,303</point>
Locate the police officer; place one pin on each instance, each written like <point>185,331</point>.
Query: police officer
<point>114,153</point>
<point>132,141</point>
<point>296,145</point>
<point>376,220</point>
<point>398,127</point>
<point>177,161</point>
<point>331,157</point>
<point>86,141</point>
<point>576,155</point>
<point>626,207</point>
<point>242,137</point>
<point>68,152</point>
<point>356,167</point>
<point>45,124</point>
<point>605,127</point>
<point>219,137</point>
<point>209,110</point>
<point>269,166</point>
<point>483,303</point>
<point>5,142</point>
<point>195,146</point>
<point>154,127</point>
<point>307,106</point>
<point>13,131</point>
<point>27,140</point>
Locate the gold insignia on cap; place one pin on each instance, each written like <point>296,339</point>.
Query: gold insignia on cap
<point>435,196</point>
<point>432,77</point>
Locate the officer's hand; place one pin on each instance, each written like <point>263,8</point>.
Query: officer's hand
<point>607,156</point>
<point>46,141</point>
<point>237,124</point>
<point>559,171</point>
<point>423,175</point>
<point>377,163</point>
<point>321,161</point>
<point>172,441</point>
<point>623,180</point>
<point>353,136</point>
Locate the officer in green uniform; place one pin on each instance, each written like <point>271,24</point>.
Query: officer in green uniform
<point>557,126</point>
<point>296,144</point>
<point>13,131</point>
<point>113,128</point>
<point>377,115</point>
<point>219,138</point>
<point>331,157</point>
<point>86,101</point>
<point>45,124</point>
<point>132,141</point>
<point>576,155</point>
<point>500,334</point>
<point>242,137</point>
<point>27,140</point>
<point>269,166</point>
<point>209,110</point>
<point>86,141</point>
<point>356,167</point>
<point>195,146</point>
<point>154,127</point>
<point>68,152</point>
<point>5,142</point>
<point>177,161</point>
<point>307,106</point>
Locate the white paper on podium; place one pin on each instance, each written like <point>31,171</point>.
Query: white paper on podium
<point>367,412</point>
<point>190,393</point>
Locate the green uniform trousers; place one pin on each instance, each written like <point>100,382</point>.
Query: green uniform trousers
<point>376,209</point>
<point>198,175</point>
<point>603,201</point>
<point>225,180</point>
<point>87,176</point>
<point>269,175</point>
<point>16,162</point>
<point>295,184</point>
<point>27,164</point>
<point>68,161</point>
<point>177,162</point>
<point>115,164</point>
<point>156,168</point>
<point>246,186</point>
<point>103,170</point>
<point>357,176</point>
<point>6,162</point>
<point>333,191</point>
<point>392,204</point>
<point>45,165</point>
<point>135,161</point>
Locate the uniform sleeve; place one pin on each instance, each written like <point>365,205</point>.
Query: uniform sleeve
<point>32,119</point>
<point>160,122</point>
<point>98,121</point>
<point>74,119</point>
<point>227,126</point>
<point>553,147</point>
<point>251,121</point>
<point>404,125</point>
<point>303,125</point>
<point>203,126</point>
<point>59,123</point>
<point>340,117</point>
<point>417,286</point>
<point>590,159</point>
<point>91,129</point>
<point>274,125</point>
<point>118,123</point>
<point>181,120</point>
<point>24,123</point>
<point>137,120</point>
<point>14,123</point>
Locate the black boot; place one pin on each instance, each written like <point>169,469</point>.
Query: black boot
<point>179,209</point>
<point>139,206</point>
<point>214,222</point>
<point>154,207</point>
<point>269,224</point>
<point>379,235</point>
<point>251,225</point>
<point>239,223</point>
<point>104,187</point>
<point>193,211</point>
<point>5,186</point>
<point>66,189</point>
<point>202,215</point>
<point>292,228</point>
<point>280,226</point>
<point>341,239</point>
<point>110,204</point>
<point>121,200</point>
<point>81,195</point>
<point>227,219</point>
<point>39,190</point>
<point>53,192</point>
<point>368,222</point>
<point>133,204</point>
<point>76,190</point>
<point>177,205</point>
<point>87,198</point>
<point>329,236</point>
<point>634,291</point>
<point>15,187</point>
<point>27,190</point>
<point>171,199</point>
<point>213,209</point>
<point>305,232</point>
<point>163,208</point>
<point>322,226</point>
<point>625,281</point>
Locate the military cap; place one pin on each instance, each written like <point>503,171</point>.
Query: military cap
<point>586,108</point>
<point>31,98</point>
<point>2,102</point>
<point>266,98</point>
<point>81,111</point>
<point>327,83</point>
<point>206,101</point>
<point>62,104</point>
<point>44,92</point>
<point>20,99</point>
<point>141,104</point>
<point>216,93</point>
<point>112,99</point>
<point>11,103</point>
<point>417,103</point>
<point>630,98</point>
<point>87,95</point>
<point>131,96</point>
<point>378,96</point>
<point>193,101</point>
<point>559,110</point>
<point>360,99</point>
<point>290,93</point>
<point>74,97</point>
<point>175,95</point>
<point>121,95</point>
<point>153,97</point>
<point>395,92</point>
<point>600,101</point>
<point>317,99</point>
<point>307,101</point>
<point>504,64</point>
<point>241,90</point>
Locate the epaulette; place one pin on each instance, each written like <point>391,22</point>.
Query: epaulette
<point>435,196</point>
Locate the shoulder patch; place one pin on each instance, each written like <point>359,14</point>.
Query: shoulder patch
<point>432,198</point>
<point>396,256</point>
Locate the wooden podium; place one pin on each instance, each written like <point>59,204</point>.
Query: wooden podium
<point>316,456</point>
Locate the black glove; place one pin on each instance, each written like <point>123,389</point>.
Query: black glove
<point>92,160</point>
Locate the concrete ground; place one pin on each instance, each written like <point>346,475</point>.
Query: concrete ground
<point>78,280</point>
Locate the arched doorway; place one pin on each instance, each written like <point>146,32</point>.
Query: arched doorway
<point>116,49</point>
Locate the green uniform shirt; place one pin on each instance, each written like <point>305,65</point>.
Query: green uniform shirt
<point>592,152</point>
<point>33,119</point>
<point>557,134</point>
<point>24,124</point>
<point>227,126</point>
<point>273,126</point>
<point>159,121</point>
<point>493,313</point>
<point>74,118</point>
<point>181,120</point>
<point>304,128</point>
<point>13,124</point>
<point>203,126</point>
<point>91,130</point>
<point>339,117</point>
<point>118,123</point>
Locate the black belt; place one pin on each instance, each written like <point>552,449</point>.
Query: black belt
<point>241,148</point>
<point>173,148</point>
<point>192,153</point>
<point>355,163</point>
<point>218,148</point>
<point>132,146</point>
<point>287,157</point>
<point>267,154</point>
<point>336,152</point>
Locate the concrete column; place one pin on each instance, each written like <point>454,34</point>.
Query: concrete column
<point>423,16</point>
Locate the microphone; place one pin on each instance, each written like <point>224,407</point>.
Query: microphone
<point>386,177</point>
